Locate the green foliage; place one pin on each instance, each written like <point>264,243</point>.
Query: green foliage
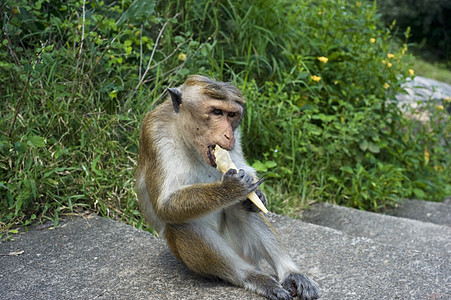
<point>73,97</point>
<point>422,148</point>
<point>250,37</point>
<point>327,122</point>
<point>435,71</point>
<point>78,76</point>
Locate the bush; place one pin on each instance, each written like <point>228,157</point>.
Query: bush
<point>326,123</point>
<point>78,77</point>
<point>73,75</point>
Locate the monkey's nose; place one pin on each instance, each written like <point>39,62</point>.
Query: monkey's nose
<point>228,143</point>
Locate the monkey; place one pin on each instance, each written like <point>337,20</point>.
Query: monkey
<point>204,216</point>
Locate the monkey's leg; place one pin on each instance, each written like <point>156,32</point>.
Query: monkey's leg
<point>205,252</point>
<point>256,233</point>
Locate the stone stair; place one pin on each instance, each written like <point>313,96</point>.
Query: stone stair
<point>432,212</point>
<point>351,255</point>
<point>396,231</point>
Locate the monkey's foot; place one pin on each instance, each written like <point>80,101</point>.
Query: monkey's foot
<point>301,286</point>
<point>268,287</point>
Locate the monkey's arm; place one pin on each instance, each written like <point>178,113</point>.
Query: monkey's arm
<point>199,199</point>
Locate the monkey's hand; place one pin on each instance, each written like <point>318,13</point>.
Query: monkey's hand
<point>239,184</point>
<point>250,206</point>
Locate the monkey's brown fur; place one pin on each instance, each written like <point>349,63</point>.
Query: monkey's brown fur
<point>205,217</point>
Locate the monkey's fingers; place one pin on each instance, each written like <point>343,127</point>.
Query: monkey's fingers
<point>224,163</point>
<point>231,172</point>
<point>254,198</point>
<point>257,184</point>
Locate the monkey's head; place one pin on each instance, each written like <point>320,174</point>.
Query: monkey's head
<point>207,114</point>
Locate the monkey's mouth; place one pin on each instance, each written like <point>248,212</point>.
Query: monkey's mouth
<point>211,156</point>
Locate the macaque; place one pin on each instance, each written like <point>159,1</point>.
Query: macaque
<point>205,215</point>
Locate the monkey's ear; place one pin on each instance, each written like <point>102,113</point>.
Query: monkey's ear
<point>176,98</point>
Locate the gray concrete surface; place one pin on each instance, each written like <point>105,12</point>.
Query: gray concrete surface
<point>395,231</point>
<point>426,211</point>
<point>97,258</point>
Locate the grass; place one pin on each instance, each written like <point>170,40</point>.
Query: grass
<point>431,70</point>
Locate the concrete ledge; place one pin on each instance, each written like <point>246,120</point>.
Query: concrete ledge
<point>426,211</point>
<point>399,232</point>
<point>97,258</point>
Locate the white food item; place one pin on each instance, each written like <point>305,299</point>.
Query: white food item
<point>225,163</point>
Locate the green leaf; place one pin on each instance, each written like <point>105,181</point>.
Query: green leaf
<point>347,169</point>
<point>20,147</point>
<point>313,129</point>
<point>36,141</point>
<point>270,164</point>
<point>259,166</point>
<point>138,12</point>
<point>419,193</point>
<point>94,166</point>
<point>56,219</point>
<point>363,145</point>
<point>303,75</point>
<point>373,148</point>
<point>18,205</point>
<point>333,179</point>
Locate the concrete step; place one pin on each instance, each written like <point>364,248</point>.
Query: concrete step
<point>399,232</point>
<point>426,211</point>
<point>98,258</point>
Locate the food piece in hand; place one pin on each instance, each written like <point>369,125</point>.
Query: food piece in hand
<point>224,163</point>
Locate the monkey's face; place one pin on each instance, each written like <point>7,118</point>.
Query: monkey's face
<point>215,122</point>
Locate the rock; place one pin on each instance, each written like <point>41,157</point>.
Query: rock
<point>422,89</point>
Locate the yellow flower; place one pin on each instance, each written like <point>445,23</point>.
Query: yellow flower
<point>438,168</point>
<point>440,107</point>
<point>389,55</point>
<point>389,64</point>
<point>426,155</point>
<point>323,59</point>
<point>372,40</point>
<point>315,78</point>
<point>182,56</point>
<point>447,99</point>
<point>386,85</point>
<point>411,72</point>
<point>384,61</point>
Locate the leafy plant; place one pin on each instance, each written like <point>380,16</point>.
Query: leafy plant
<point>78,76</point>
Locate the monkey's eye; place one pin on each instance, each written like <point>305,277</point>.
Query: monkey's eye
<point>232,114</point>
<point>217,112</point>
